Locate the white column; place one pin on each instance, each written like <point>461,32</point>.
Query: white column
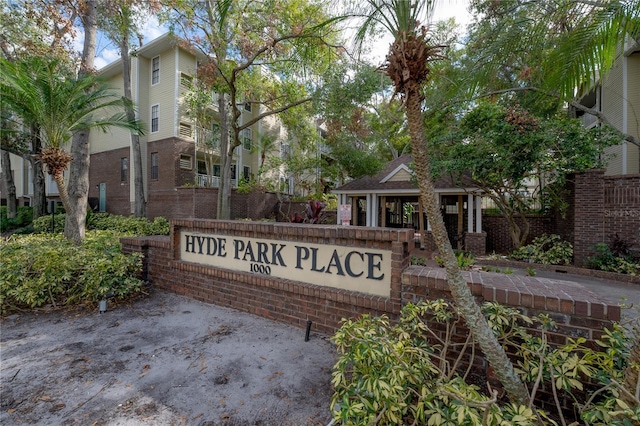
<point>470,208</point>
<point>374,209</point>
<point>369,209</point>
<point>478,214</point>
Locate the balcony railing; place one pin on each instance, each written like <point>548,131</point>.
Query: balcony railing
<point>212,181</point>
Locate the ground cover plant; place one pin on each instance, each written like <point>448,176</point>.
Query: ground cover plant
<point>617,256</point>
<point>23,219</point>
<point>42,269</point>
<point>547,249</point>
<point>419,371</point>
<point>125,225</point>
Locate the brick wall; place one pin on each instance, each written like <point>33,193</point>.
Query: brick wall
<point>105,168</point>
<point>605,206</point>
<point>622,208</point>
<point>170,174</point>
<point>282,300</point>
<point>497,230</point>
<point>475,243</point>
<point>295,302</point>
<point>589,213</point>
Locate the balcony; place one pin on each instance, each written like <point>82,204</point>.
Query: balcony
<point>212,181</point>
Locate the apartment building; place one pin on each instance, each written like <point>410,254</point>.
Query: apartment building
<point>174,151</point>
<point>617,97</point>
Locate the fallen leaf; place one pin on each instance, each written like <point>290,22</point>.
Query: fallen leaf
<point>45,398</point>
<point>11,410</point>
<point>142,374</point>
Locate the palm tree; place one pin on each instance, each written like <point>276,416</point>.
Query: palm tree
<point>407,64</point>
<point>40,93</point>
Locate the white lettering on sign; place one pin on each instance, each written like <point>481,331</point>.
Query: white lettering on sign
<point>365,270</point>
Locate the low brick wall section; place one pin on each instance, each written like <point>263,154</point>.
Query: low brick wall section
<point>278,299</point>
<point>296,302</point>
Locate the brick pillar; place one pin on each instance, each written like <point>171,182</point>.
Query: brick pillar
<point>589,224</point>
<point>476,243</point>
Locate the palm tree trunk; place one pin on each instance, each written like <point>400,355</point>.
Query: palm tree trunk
<point>469,309</point>
<point>73,230</point>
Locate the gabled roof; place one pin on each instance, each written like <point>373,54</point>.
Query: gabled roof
<point>397,177</point>
<point>165,42</point>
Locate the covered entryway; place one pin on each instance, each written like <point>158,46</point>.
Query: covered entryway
<point>390,199</point>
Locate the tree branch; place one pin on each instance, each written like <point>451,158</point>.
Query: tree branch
<point>598,114</point>
<point>274,111</point>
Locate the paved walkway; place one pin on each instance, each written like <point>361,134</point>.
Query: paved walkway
<point>623,293</point>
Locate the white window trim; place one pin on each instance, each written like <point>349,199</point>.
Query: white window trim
<point>247,134</point>
<point>158,82</point>
<point>151,118</point>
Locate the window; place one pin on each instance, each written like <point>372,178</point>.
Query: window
<point>216,170</point>
<point>284,150</point>
<point>155,70</point>
<point>185,161</point>
<point>247,106</point>
<point>234,171</point>
<point>185,80</point>
<point>246,139</point>
<point>154,118</point>
<point>124,166</point>
<point>185,130</point>
<point>246,173</point>
<point>202,167</point>
<point>154,165</point>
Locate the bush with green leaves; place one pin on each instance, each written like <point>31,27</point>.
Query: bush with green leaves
<point>606,260</point>
<point>129,226</point>
<point>465,260</point>
<point>547,249</point>
<point>416,371</point>
<point>24,216</point>
<point>42,269</point>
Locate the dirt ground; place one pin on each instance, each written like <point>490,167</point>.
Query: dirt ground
<point>161,360</point>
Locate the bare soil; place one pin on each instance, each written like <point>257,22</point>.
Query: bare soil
<point>161,360</point>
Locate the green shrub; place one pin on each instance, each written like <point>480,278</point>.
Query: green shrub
<point>465,260</point>
<point>24,216</point>
<point>606,260</point>
<point>44,269</point>
<point>547,249</point>
<point>42,224</point>
<point>416,371</point>
<point>109,222</point>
